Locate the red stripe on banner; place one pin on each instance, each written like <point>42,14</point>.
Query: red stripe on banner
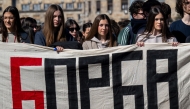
<point>19,95</point>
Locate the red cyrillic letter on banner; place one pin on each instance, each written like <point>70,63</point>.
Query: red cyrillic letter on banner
<point>19,95</point>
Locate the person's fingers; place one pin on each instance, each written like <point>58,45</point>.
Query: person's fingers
<point>59,49</point>
<point>140,44</point>
<point>175,44</point>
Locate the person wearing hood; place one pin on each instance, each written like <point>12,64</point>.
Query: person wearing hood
<point>100,35</point>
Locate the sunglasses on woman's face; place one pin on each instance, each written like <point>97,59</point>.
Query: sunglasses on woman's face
<point>72,29</point>
<point>33,26</point>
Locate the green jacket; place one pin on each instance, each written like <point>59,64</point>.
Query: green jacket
<point>126,36</point>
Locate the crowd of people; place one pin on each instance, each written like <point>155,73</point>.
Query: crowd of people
<point>150,23</point>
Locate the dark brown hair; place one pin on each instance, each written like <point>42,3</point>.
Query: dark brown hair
<point>135,7</point>
<point>166,9</point>
<point>94,30</point>
<point>179,7</point>
<point>86,25</point>
<point>115,28</point>
<point>149,4</point>
<point>17,25</point>
<point>71,22</point>
<point>150,24</point>
<point>49,29</point>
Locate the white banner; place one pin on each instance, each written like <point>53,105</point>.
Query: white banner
<point>125,77</point>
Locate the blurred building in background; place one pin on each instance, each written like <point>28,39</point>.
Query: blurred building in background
<point>80,10</point>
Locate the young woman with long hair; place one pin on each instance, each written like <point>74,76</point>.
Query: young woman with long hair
<point>53,29</point>
<point>156,30</point>
<point>100,35</point>
<point>11,27</point>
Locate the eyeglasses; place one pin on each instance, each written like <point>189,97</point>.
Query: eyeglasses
<point>72,29</point>
<point>141,14</point>
<point>33,26</point>
<point>186,3</point>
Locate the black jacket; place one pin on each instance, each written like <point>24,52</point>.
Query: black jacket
<point>137,24</point>
<point>68,45</point>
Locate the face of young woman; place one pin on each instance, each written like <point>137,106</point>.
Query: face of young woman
<point>57,18</point>
<point>73,30</point>
<point>85,34</point>
<point>158,22</point>
<point>9,20</point>
<point>103,28</point>
<point>186,6</point>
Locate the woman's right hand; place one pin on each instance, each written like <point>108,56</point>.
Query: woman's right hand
<point>140,44</point>
<point>175,44</point>
<point>59,48</point>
